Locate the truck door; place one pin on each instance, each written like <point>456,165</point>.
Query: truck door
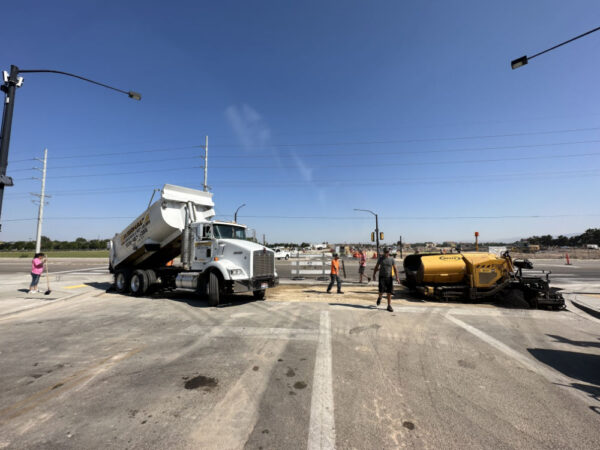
<point>203,244</point>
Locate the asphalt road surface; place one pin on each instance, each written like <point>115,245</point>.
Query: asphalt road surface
<point>101,370</point>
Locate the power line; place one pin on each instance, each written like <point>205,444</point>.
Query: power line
<point>360,218</point>
<point>400,141</point>
<point>112,174</point>
<point>379,182</point>
<point>112,164</point>
<point>326,144</point>
<point>323,155</point>
<point>98,155</point>
<point>329,166</point>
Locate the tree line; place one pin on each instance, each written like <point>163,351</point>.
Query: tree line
<point>49,244</point>
<point>591,236</point>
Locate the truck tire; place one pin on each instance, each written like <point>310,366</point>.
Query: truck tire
<point>214,289</point>
<point>138,283</point>
<point>515,298</point>
<point>151,276</point>
<point>287,257</point>
<point>122,281</point>
<point>260,295</point>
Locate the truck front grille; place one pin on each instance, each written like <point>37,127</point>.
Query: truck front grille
<point>264,264</point>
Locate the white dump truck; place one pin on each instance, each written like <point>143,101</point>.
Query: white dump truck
<point>215,257</point>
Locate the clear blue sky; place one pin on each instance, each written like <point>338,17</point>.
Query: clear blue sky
<point>312,108</point>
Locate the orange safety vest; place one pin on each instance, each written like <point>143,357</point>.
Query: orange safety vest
<point>335,267</point>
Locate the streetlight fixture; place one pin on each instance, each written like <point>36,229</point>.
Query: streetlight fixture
<point>376,226</point>
<point>12,81</point>
<point>236,211</point>
<point>523,60</point>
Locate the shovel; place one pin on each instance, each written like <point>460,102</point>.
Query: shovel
<point>47,280</point>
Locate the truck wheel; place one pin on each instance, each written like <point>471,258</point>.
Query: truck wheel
<point>515,298</point>
<point>260,295</point>
<point>138,283</point>
<point>122,281</point>
<point>151,277</point>
<point>214,289</point>
<point>287,257</point>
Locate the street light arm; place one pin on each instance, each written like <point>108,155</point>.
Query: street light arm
<point>519,62</point>
<point>236,211</point>
<point>366,210</point>
<point>131,94</point>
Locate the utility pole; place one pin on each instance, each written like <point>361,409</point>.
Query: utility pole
<point>264,241</point>
<point>42,196</point>
<point>205,163</point>
<point>400,246</point>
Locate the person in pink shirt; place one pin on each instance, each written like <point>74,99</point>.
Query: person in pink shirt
<point>37,268</point>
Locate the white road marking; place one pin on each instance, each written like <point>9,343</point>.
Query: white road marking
<point>80,270</point>
<point>230,422</point>
<point>321,434</point>
<point>533,366</point>
<point>294,334</point>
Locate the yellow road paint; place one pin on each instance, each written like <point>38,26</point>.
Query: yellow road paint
<point>76,286</point>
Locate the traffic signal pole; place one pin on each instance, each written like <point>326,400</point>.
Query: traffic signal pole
<point>9,88</point>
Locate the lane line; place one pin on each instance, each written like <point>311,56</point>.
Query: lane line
<point>79,270</point>
<point>75,286</point>
<point>229,424</point>
<point>321,434</point>
<point>300,334</point>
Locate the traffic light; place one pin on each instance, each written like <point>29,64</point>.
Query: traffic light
<point>373,236</point>
<point>381,236</point>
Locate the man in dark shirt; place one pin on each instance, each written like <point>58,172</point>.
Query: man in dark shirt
<point>387,270</point>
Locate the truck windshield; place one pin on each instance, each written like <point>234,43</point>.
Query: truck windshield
<point>229,232</point>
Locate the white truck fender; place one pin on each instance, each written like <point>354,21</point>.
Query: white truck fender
<point>218,265</point>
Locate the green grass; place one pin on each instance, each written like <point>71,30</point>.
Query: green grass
<point>57,254</point>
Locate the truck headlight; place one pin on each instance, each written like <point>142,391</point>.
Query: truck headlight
<point>234,272</point>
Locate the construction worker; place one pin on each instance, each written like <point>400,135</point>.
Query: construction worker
<point>386,264</point>
<point>335,274</point>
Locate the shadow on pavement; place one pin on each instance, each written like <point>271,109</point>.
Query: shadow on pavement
<point>182,296</point>
<point>563,340</point>
<point>104,286</point>
<point>351,305</point>
<point>198,302</point>
<point>581,366</point>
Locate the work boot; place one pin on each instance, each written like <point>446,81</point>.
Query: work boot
<point>390,309</point>
<point>378,301</point>
<point>340,292</point>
